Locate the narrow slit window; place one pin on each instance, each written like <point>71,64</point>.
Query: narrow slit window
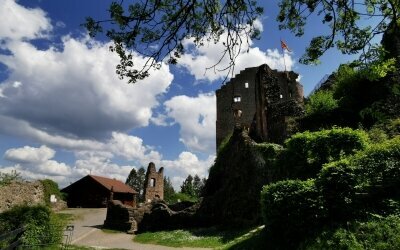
<point>246,85</point>
<point>152,182</point>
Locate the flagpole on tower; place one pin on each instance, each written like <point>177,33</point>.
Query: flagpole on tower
<point>284,47</point>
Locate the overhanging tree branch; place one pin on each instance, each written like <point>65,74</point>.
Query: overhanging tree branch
<point>157,29</point>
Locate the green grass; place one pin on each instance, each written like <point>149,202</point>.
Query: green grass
<point>205,237</point>
<point>74,247</point>
<point>64,217</point>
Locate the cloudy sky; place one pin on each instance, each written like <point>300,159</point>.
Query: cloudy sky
<point>65,114</point>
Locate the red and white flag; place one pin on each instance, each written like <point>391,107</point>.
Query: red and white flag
<point>284,46</point>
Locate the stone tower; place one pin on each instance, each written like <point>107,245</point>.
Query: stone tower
<point>261,100</point>
<point>154,183</point>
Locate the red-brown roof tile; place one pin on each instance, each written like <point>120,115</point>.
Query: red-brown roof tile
<point>118,186</point>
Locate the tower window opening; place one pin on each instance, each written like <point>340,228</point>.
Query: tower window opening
<point>246,85</point>
<point>152,182</point>
<point>281,96</point>
<point>237,99</point>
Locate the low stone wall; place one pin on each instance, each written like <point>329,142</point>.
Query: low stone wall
<point>152,216</point>
<point>20,193</point>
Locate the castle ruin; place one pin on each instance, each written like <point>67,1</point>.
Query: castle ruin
<point>261,100</point>
<point>154,183</point>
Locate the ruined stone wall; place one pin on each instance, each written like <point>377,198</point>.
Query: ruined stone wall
<point>284,100</point>
<point>236,87</point>
<point>21,193</point>
<point>154,183</point>
<point>271,96</point>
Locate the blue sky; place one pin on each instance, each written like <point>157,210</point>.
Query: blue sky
<point>64,113</point>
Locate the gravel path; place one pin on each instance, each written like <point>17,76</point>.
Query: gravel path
<point>87,232</point>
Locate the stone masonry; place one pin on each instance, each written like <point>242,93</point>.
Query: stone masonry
<point>154,183</point>
<point>261,100</point>
<point>21,193</point>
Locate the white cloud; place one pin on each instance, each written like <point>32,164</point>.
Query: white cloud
<point>18,22</point>
<point>187,163</point>
<point>132,148</point>
<point>98,164</point>
<point>196,117</point>
<point>52,167</point>
<point>160,120</point>
<point>76,91</point>
<point>69,97</point>
<point>70,91</point>
<point>29,154</point>
<point>197,59</point>
<point>37,161</point>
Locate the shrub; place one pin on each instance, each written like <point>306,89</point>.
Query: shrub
<point>336,183</point>
<point>377,135</point>
<point>268,154</point>
<point>378,172</point>
<point>50,187</point>
<point>7,178</point>
<point>381,233</point>
<point>365,183</point>
<point>291,210</point>
<point>306,152</point>
<point>390,127</point>
<point>41,227</point>
<point>223,144</point>
<point>320,102</point>
<point>181,197</point>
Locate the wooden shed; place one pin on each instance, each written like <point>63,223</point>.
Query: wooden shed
<point>94,191</point>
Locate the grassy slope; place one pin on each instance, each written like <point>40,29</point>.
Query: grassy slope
<point>205,237</point>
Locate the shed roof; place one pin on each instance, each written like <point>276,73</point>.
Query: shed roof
<point>117,186</point>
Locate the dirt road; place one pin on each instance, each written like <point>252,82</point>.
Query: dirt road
<point>87,232</point>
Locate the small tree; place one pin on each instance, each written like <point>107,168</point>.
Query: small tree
<point>136,180</point>
<point>320,102</point>
<point>198,185</point>
<point>187,186</point>
<point>169,191</point>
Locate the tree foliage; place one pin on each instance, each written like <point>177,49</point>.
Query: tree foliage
<point>187,186</point>
<point>169,191</point>
<point>42,227</point>
<point>359,187</point>
<point>344,18</point>
<point>50,188</point>
<point>157,30</point>
<point>193,186</point>
<point>321,102</point>
<point>306,152</point>
<point>136,180</point>
<point>291,210</point>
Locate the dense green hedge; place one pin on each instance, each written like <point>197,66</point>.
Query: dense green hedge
<point>291,210</point>
<point>336,184</point>
<point>42,227</point>
<point>377,233</point>
<point>348,190</point>
<point>306,152</point>
<point>368,182</point>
